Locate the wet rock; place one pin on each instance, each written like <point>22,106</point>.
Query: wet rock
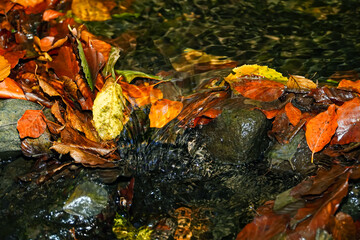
<point>350,204</point>
<point>11,111</point>
<point>237,135</point>
<point>88,199</point>
<point>293,157</point>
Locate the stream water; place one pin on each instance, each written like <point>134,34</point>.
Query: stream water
<point>305,37</point>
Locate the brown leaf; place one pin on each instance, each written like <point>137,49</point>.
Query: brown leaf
<point>10,89</point>
<point>80,156</point>
<point>140,95</point>
<point>65,63</point>
<point>31,124</point>
<point>258,89</point>
<point>47,43</point>
<point>12,56</point>
<point>47,88</point>
<point>5,68</point>
<point>293,113</point>
<point>328,95</point>
<point>90,10</point>
<point>300,82</point>
<point>86,101</point>
<point>344,227</point>
<point>55,110</point>
<point>95,60</point>
<point>320,129</point>
<point>163,111</point>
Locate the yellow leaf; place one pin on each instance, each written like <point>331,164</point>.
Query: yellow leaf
<point>300,82</point>
<point>163,111</point>
<point>4,68</point>
<point>108,111</point>
<point>27,3</point>
<point>90,10</point>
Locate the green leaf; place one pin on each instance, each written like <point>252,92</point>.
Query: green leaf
<point>124,230</point>
<point>108,110</point>
<point>85,65</point>
<point>113,57</point>
<point>130,75</point>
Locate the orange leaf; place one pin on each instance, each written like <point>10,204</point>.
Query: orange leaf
<point>4,68</point>
<point>90,10</point>
<point>31,124</point>
<point>293,113</point>
<point>353,85</point>
<point>348,119</point>
<point>270,113</point>
<point>261,90</point>
<point>55,110</point>
<point>12,56</point>
<point>27,3</point>
<point>51,14</point>
<point>99,45</point>
<point>140,95</point>
<point>344,227</point>
<point>320,129</point>
<point>163,111</point>
<point>300,82</point>
<point>10,89</point>
<point>65,63</point>
<point>47,43</point>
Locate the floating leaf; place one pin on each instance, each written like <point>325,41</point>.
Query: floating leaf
<point>163,111</point>
<point>140,95</point>
<point>108,110</point>
<point>293,113</point>
<point>51,14</point>
<point>300,82</point>
<point>4,68</point>
<point>31,124</point>
<point>348,120</point>
<point>261,90</point>
<point>320,129</point>
<point>90,10</point>
<point>130,75</point>
<point>10,89</point>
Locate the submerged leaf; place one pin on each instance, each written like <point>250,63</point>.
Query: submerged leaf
<point>31,124</point>
<point>130,75</point>
<point>90,10</point>
<point>163,111</point>
<point>108,110</point>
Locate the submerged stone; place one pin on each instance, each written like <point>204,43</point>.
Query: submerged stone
<point>88,199</point>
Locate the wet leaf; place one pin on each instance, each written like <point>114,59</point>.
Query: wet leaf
<point>163,111</point>
<point>344,227</point>
<point>328,95</point>
<point>47,88</point>
<point>100,46</point>
<point>109,66</point>
<point>108,110</point>
<point>261,90</point>
<point>5,68</point>
<point>293,113</point>
<point>90,10</point>
<point>84,64</point>
<point>55,110</point>
<point>12,56</point>
<point>95,61</point>
<point>86,101</point>
<point>352,85</point>
<point>47,43</point>
<point>131,75</point>
<point>348,119</point>
<point>65,63</point>
<point>140,95</point>
<point>10,89</point>
<point>81,156</point>
<point>51,14</point>
<point>28,3</point>
<point>300,82</point>
<point>270,113</point>
<point>320,129</point>
<point>31,124</point>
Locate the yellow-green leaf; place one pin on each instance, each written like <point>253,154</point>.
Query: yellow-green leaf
<point>108,110</point>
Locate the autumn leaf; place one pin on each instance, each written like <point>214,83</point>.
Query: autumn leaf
<point>293,113</point>
<point>28,3</point>
<point>47,88</point>
<point>95,61</point>
<point>12,56</point>
<point>352,85</point>
<point>51,14</point>
<point>10,89</point>
<point>90,10</point>
<point>320,129</point>
<point>163,111</point>
<point>4,68</point>
<point>140,95</point>
<point>261,90</point>
<point>55,110</point>
<point>348,120</point>
<point>108,110</point>
<point>300,82</point>
<point>47,43</point>
<point>65,63</point>
<point>31,124</point>
<point>269,113</point>
<point>130,75</point>
<point>99,45</point>
<point>344,227</point>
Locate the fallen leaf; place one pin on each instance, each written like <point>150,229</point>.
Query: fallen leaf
<point>163,111</point>
<point>31,124</point>
<point>81,156</point>
<point>99,45</point>
<point>352,85</point>
<point>108,110</point>
<point>95,61</point>
<point>28,3</point>
<point>261,90</point>
<point>328,95</point>
<point>293,113</point>
<point>12,56</point>
<point>51,14</point>
<point>269,113</point>
<point>65,63</point>
<point>55,110</point>
<point>300,82</point>
<point>10,89</point>
<point>4,68</point>
<point>90,10</point>
<point>47,43</point>
<point>140,95</point>
<point>348,120</point>
<point>320,129</point>
<point>131,75</point>
<point>47,88</point>
<point>344,227</point>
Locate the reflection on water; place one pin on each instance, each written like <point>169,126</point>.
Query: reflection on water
<point>298,37</point>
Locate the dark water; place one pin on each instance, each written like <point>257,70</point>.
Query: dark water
<point>312,38</point>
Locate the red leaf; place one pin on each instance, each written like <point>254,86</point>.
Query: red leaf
<point>293,113</point>
<point>261,90</point>
<point>12,56</point>
<point>31,124</point>
<point>320,129</point>
<point>10,89</point>
<point>95,61</point>
<point>348,119</point>
<point>65,63</point>
<point>51,14</point>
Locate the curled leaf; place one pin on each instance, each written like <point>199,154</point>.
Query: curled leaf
<point>51,14</point>
<point>4,68</point>
<point>108,110</point>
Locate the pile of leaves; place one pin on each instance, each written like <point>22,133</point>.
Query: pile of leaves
<point>49,57</point>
